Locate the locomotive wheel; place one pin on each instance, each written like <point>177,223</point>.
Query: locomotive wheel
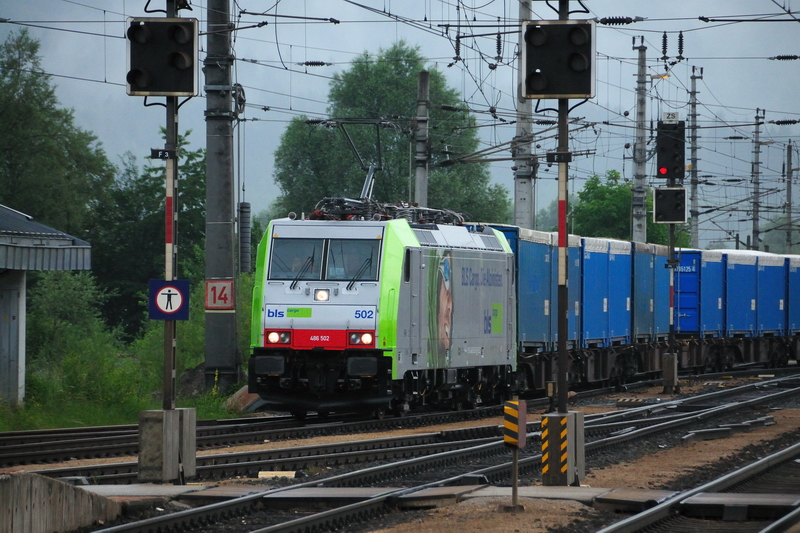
<point>379,413</point>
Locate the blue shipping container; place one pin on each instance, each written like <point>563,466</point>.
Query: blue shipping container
<point>661,292</point>
<point>643,318</point>
<point>771,308</point>
<point>619,292</point>
<point>740,293</point>
<point>699,284</point>
<point>534,302</point>
<point>794,295</point>
<point>574,288</point>
<point>594,282</point>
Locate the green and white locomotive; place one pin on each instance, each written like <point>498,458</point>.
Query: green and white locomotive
<point>371,312</point>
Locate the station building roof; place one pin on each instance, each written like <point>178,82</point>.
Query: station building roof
<point>28,245</point>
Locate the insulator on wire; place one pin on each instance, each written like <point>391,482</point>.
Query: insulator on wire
<point>499,47</point>
<point>784,122</point>
<point>458,48</point>
<point>616,21</point>
<point>785,58</point>
<point>680,46</point>
<point>315,64</point>
<point>664,55</point>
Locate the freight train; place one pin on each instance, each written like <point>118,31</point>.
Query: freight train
<point>363,307</point>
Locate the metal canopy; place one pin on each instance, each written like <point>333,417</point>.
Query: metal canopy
<point>29,245</point>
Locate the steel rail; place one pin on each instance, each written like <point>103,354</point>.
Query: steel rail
<point>345,515</point>
<point>666,508</point>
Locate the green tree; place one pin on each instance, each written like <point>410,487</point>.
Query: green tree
<point>127,234</point>
<point>603,209</point>
<point>774,233</point>
<point>74,357</point>
<point>547,217</point>
<point>315,162</point>
<point>49,168</point>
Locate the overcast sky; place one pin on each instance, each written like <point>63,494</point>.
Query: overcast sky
<point>83,47</point>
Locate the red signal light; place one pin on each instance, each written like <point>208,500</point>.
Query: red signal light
<point>662,170</point>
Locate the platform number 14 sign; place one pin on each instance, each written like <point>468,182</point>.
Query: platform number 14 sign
<point>219,294</point>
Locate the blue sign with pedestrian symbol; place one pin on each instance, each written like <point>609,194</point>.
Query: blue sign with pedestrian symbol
<point>169,300</point>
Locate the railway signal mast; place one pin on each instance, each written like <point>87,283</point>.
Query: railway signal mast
<point>669,207</point>
<point>558,62</point>
<point>162,61</point>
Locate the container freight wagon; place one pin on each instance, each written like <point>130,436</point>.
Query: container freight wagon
<point>771,309</point>
<point>536,265</point>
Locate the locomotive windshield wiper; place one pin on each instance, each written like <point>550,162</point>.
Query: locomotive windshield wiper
<point>309,261</point>
<point>366,264</point>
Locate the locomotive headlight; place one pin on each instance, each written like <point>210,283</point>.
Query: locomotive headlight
<point>322,295</point>
<point>361,337</point>
<point>278,337</point>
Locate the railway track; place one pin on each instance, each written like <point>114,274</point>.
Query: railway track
<point>761,497</point>
<point>489,463</point>
<point>248,464</point>
<point>60,445</point>
<point>50,446</point>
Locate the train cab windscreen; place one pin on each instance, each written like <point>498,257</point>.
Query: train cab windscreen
<point>296,259</point>
<point>324,259</point>
<point>350,260</point>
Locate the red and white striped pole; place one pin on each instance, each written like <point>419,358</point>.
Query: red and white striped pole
<point>170,235</point>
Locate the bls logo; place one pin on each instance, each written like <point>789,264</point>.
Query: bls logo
<point>274,313</point>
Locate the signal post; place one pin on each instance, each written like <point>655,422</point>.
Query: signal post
<point>558,63</point>
<point>669,207</point>
<point>162,61</point>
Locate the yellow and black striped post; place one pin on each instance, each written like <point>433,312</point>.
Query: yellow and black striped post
<point>514,422</point>
<point>562,449</point>
<point>514,430</point>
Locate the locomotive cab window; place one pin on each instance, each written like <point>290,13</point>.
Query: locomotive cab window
<point>296,259</point>
<point>324,259</point>
<point>352,260</point>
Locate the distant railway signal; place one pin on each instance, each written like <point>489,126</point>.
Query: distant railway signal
<point>162,57</point>
<point>671,151</point>
<point>558,59</point>
<point>669,205</point>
